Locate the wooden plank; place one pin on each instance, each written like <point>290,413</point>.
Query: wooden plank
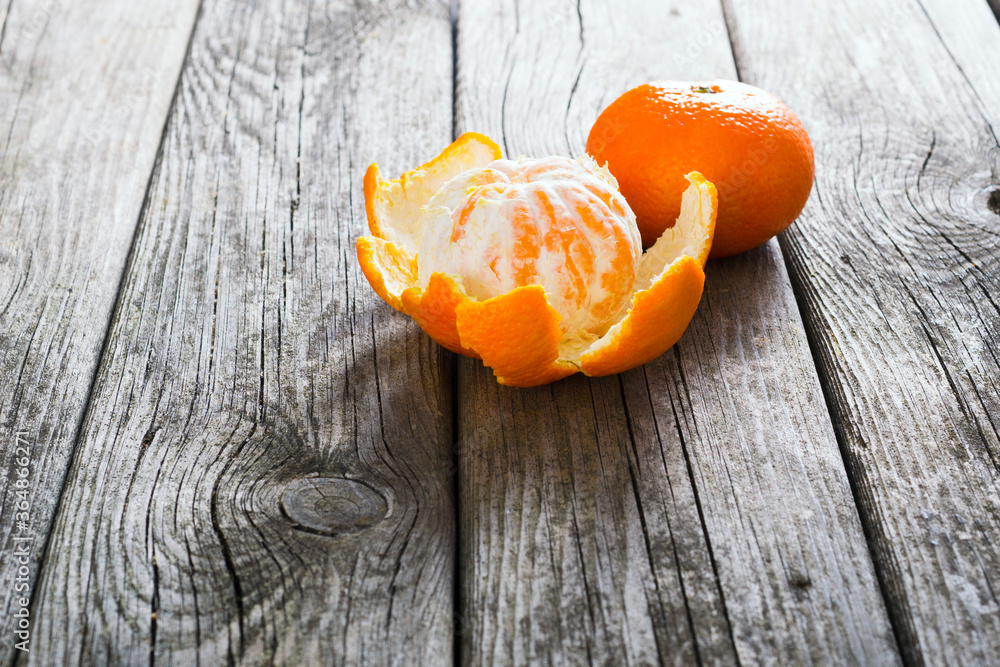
<point>696,509</point>
<point>263,476</point>
<point>84,92</point>
<point>895,264</point>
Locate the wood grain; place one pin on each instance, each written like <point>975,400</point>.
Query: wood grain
<point>263,474</point>
<point>895,265</point>
<point>84,93</point>
<point>695,510</point>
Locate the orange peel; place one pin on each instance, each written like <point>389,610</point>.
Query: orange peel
<point>534,266</point>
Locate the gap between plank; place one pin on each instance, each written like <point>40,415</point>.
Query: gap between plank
<point>995,6</point>
<point>457,615</point>
<point>906,648</point>
<point>3,26</point>
<point>458,618</point>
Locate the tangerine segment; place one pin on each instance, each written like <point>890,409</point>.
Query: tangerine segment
<point>388,268</point>
<point>434,310</point>
<point>517,334</point>
<point>658,318</point>
<point>554,222</point>
<point>394,206</point>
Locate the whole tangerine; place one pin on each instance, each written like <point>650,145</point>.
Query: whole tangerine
<point>743,139</point>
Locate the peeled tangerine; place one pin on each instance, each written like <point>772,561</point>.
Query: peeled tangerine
<point>534,266</point>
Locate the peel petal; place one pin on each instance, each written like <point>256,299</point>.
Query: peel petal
<point>658,318</point>
<point>389,269</point>
<point>669,287</point>
<point>691,234</point>
<point>393,206</point>
<point>517,334</point>
<point>434,310</point>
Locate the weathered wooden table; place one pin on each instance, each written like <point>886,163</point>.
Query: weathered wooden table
<point>219,446</point>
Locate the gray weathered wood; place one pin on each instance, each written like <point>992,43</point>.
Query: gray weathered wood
<point>84,91</point>
<point>738,408</point>
<point>895,264</point>
<point>263,474</point>
<point>696,509</point>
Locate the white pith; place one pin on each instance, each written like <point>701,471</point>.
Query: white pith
<point>427,236</point>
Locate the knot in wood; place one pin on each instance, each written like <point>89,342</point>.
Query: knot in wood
<point>332,506</point>
<point>993,202</point>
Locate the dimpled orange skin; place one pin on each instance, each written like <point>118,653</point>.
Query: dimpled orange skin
<point>741,138</point>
